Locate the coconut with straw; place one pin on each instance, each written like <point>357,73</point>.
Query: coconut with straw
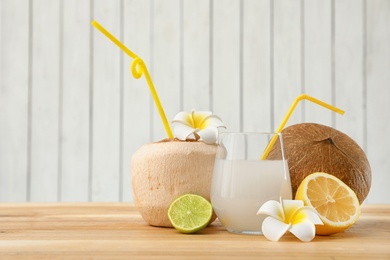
<point>162,171</point>
<point>311,147</point>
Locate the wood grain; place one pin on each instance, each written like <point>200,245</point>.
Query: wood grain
<point>117,231</point>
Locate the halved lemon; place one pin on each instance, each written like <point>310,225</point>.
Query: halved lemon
<point>336,203</point>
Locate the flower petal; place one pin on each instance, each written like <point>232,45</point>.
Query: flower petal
<point>290,207</point>
<point>187,125</point>
<point>272,208</point>
<point>209,135</point>
<point>213,120</point>
<point>306,213</point>
<point>274,229</point>
<point>305,230</point>
<point>199,118</point>
<point>289,215</point>
<point>184,118</point>
<point>183,131</point>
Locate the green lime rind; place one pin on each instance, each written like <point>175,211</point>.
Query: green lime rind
<point>190,213</point>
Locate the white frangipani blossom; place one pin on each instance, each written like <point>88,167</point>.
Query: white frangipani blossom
<point>289,215</point>
<point>197,125</point>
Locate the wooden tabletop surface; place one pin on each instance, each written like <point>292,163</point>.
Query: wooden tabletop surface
<point>117,231</point>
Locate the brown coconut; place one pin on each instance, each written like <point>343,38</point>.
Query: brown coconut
<point>311,147</point>
<point>163,171</point>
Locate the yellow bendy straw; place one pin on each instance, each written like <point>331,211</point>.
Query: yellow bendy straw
<point>287,116</point>
<point>138,73</point>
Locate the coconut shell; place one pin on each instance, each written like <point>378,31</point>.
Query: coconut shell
<point>311,147</point>
<point>165,170</point>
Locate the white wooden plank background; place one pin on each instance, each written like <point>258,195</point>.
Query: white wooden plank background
<point>256,69</point>
<point>316,58</point>
<point>45,97</point>
<point>287,80</point>
<point>137,105</point>
<point>377,93</point>
<point>71,115</point>
<point>349,67</point>
<point>195,55</point>
<point>14,100</point>
<point>106,106</point>
<point>75,107</point>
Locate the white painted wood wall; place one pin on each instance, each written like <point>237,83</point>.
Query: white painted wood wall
<point>71,115</point>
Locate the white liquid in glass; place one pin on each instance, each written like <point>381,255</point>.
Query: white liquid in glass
<point>240,187</point>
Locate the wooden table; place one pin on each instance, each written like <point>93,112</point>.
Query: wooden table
<point>117,231</point>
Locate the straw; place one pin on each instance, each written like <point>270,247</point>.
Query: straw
<point>138,68</point>
<point>290,111</point>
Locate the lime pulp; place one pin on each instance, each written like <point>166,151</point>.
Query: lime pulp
<point>190,213</point>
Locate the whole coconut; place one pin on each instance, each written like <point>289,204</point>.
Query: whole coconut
<point>165,170</point>
<point>311,147</point>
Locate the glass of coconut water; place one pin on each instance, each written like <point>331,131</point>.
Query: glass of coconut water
<point>242,181</point>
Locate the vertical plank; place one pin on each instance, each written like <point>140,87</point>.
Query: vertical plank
<point>256,66</point>
<point>318,60</point>
<point>137,97</point>
<point>14,48</point>
<point>166,61</point>
<point>106,104</point>
<point>226,62</point>
<point>195,55</point>
<point>378,93</point>
<point>45,101</point>
<point>181,81</point>
<point>75,101</point>
<point>349,67</point>
<point>287,60</point>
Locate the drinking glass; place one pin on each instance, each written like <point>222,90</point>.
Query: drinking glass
<point>242,181</point>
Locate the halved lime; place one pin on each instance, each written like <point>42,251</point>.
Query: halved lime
<point>190,213</point>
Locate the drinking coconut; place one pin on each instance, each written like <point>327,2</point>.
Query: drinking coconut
<point>163,171</point>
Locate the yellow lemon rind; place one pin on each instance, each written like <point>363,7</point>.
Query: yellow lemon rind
<point>329,227</point>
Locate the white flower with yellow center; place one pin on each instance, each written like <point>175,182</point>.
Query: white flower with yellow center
<point>197,125</point>
<point>289,215</point>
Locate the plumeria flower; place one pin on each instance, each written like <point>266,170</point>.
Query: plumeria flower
<point>289,215</point>
<point>197,125</point>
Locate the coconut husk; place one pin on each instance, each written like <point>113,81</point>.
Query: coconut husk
<point>165,170</point>
<point>311,147</point>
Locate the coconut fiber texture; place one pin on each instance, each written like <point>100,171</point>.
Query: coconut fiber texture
<point>311,147</point>
<point>163,171</point>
